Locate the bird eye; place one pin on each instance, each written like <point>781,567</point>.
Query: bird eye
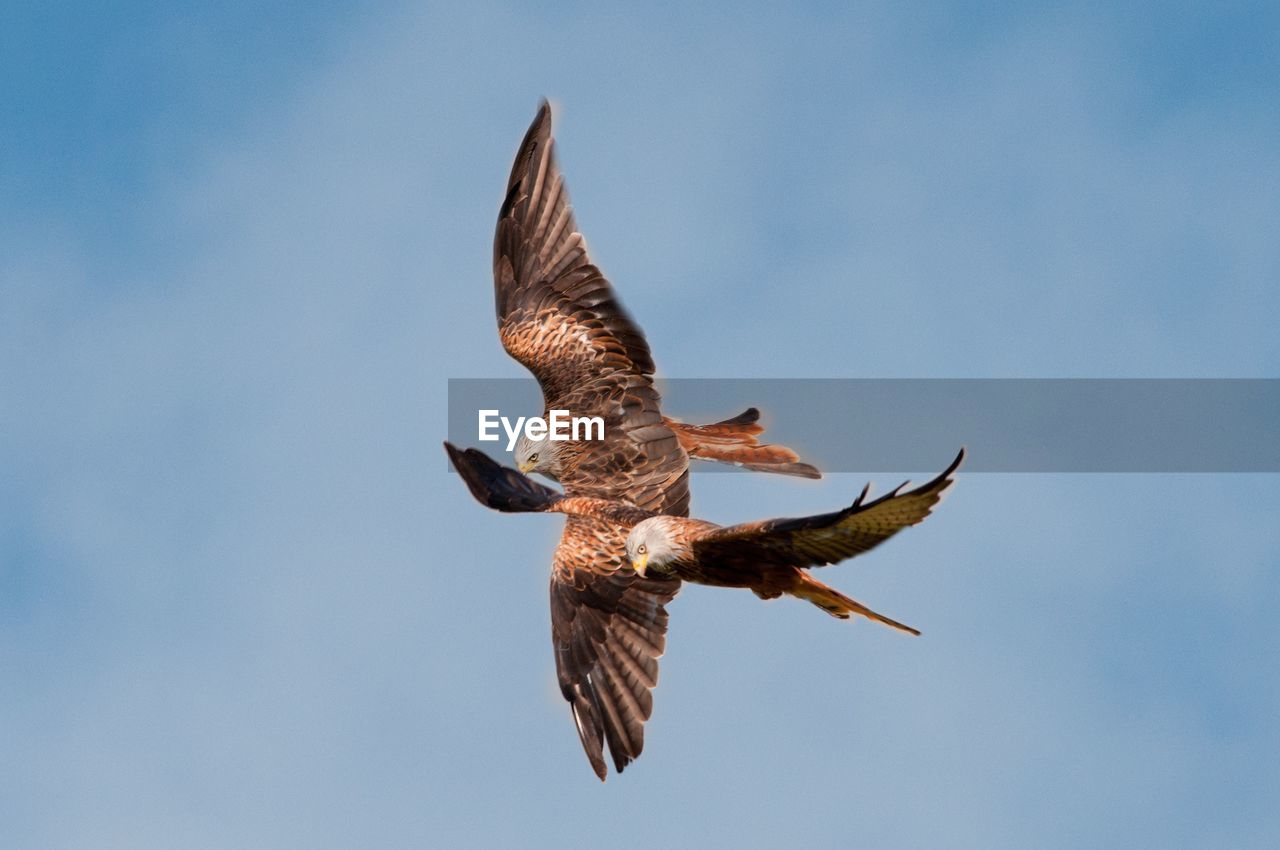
<point>641,550</point>
<point>533,458</point>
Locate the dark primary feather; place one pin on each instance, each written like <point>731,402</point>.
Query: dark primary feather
<point>826,538</point>
<point>499,487</point>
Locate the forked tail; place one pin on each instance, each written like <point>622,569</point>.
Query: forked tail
<point>735,441</point>
<point>836,603</point>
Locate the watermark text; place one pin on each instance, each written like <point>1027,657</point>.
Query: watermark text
<point>559,426</point>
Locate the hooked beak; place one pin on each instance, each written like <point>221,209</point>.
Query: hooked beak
<point>639,564</point>
<point>524,466</point>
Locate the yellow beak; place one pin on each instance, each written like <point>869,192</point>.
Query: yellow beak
<point>524,466</point>
<point>639,565</point>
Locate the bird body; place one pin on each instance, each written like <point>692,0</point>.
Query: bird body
<point>559,317</point>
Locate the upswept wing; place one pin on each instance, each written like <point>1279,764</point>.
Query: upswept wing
<point>560,318</point>
<point>557,314</point>
<point>608,629</point>
<point>826,538</point>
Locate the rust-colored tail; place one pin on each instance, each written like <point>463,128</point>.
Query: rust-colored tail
<point>734,441</point>
<point>836,603</point>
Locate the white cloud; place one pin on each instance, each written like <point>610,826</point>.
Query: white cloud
<point>250,609</point>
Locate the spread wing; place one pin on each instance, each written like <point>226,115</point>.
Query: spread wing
<point>560,318</point>
<point>826,538</point>
<point>557,314</point>
<point>608,625</point>
<point>608,628</point>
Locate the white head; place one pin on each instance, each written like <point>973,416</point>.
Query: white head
<point>653,545</point>
<point>538,456</point>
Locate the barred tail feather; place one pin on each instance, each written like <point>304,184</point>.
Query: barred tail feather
<point>836,603</point>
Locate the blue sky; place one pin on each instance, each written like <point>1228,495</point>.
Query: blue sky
<point>242,604</point>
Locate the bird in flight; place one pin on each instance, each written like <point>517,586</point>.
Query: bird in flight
<point>560,318</point>
<point>769,557</point>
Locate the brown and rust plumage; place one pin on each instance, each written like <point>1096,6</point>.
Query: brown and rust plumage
<point>770,556</point>
<point>560,318</point>
<point>609,629</point>
<point>608,625</point>
<point>815,541</point>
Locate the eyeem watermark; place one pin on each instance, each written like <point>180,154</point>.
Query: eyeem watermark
<point>561,426</point>
<point>1036,425</point>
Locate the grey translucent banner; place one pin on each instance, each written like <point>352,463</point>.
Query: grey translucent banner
<point>916,425</point>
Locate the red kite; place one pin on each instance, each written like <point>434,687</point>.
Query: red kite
<point>559,317</point>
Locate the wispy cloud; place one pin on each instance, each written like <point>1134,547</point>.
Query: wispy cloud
<point>244,606</point>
